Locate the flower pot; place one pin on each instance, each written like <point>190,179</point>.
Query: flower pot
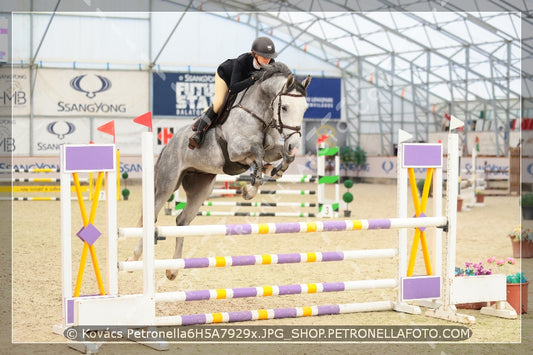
<point>347,213</point>
<point>522,248</point>
<point>480,198</point>
<point>471,305</point>
<point>459,205</point>
<point>517,296</point>
<point>126,196</point>
<point>527,212</point>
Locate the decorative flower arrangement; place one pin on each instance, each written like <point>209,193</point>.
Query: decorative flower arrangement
<point>517,278</point>
<point>472,269</point>
<point>520,233</point>
<point>477,269</point>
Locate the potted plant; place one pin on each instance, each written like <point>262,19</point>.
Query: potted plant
<point>472,269</point>
<point>526,201</point>
<point>168,209</point>
<point>347,197</point>
<point>125,193</point>
<point>346,157</point>
<point>517,285</point>
<point>522,242</point>
<point>480,196</point>
<point>359,159</point>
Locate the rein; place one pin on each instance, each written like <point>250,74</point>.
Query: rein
<point>276,123</point>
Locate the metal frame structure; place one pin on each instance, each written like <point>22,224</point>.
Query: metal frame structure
<point>413,80</point>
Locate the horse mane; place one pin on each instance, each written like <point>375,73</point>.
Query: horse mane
<point>279,68</point>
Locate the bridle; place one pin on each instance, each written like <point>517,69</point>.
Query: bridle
<point>277,122</point>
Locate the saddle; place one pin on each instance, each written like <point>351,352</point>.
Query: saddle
<point>221,116</point>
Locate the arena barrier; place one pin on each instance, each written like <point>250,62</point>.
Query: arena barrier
<point>438,288</point>
<point>323,207</point>
<point>87,189</point>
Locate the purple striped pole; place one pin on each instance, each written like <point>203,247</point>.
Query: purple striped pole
<point>264,259</point>
<point>277,313</point>
<point>265,291</point>
<point>290,227</point>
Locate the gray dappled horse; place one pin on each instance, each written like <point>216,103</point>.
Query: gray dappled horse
<point>262,126</point>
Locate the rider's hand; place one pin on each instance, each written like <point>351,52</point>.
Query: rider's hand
<point>258,75</point>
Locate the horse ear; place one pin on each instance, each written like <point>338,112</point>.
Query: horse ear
<point>290,81</point>
<point>306,81</point>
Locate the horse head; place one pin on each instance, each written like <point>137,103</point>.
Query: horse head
<point>287,106</point>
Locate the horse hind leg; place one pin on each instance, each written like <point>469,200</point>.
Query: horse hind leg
<point>197,188</point>
<point>162,191</point>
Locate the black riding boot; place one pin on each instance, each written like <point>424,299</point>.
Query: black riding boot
<point>196,140</point>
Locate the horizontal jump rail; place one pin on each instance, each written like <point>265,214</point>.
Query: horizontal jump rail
<point>265,192</point>
<point>265,259</point>
<point>181,205</point>
<point>255,214</point>
<point>277,313</point>
<point>284,178</point>
<point>266,291</point>
<point>288,227</point>
<point>37,198</point>
<point>34,170</point>
<point>36,180</point>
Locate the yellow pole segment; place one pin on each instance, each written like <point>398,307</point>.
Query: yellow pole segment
<point>80,199</point>
<point>412,256</point>
<point>81,269</point>
<point>90,186</point>
<point>97,270</point>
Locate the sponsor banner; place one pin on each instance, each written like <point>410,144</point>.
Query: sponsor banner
<point>14,92</point>
<point>50,133</point>
<point>527,170</point>
<point>324,98</point>
<point>188,94</point>
<point>15,135</point>
<point>91,93</point>
<point>182,94</point>
<point>376,167</point>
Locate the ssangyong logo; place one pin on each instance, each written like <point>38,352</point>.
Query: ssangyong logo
<point>61,128</point>
<point>90,87</point>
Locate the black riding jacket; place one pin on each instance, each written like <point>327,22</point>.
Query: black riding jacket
<point>237,72</point>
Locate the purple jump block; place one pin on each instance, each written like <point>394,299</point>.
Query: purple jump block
<point>88,158</point>
<point>332,256</point>
<point>420,287</point>
<point>330,226</point>
<point>196,263</point>
<point>238,229</point>
<point>422,215</point>
<point>89,234</point>
<point>422,156</point>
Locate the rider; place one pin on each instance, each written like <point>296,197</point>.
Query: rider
<point>235,75</point>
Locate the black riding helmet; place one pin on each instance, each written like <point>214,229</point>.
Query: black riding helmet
<point>264,47</point>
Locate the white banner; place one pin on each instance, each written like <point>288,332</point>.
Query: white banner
<point>91,93</point>
<point>50,133</point>
<point>14,92</point>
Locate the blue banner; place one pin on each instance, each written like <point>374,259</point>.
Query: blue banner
<point>182,94</point>
<point>188,94</point>
<point>324,98</point>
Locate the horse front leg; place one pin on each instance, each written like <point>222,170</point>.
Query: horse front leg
<point>250,190</point>
<point>277,172</point>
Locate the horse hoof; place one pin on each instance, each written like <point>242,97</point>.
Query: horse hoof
<point>248,192</point>
<point>171,276</point>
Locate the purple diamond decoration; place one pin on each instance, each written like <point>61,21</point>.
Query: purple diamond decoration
<point>89,234</point>
<point>421,215</point>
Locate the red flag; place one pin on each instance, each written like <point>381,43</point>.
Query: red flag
<point>145,120</point>
<point>108,128</point>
